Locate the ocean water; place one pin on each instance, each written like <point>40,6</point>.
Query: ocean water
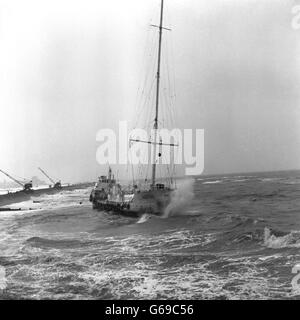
<point>222,237</point>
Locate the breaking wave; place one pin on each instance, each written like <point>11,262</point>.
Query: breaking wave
<point>289,240</point>
<point>145,217</point>
<point>212,182</point>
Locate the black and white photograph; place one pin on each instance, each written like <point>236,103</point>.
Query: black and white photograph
<point>149,150</point>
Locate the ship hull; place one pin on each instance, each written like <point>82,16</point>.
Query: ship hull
<point>115,208</point>
<point>152,202</point>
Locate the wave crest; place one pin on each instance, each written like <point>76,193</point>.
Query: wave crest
<point>290,240</point>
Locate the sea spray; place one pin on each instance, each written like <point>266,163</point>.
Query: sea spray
<point>180,198</point>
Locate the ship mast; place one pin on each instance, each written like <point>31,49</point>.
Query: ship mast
<point>155,127</point>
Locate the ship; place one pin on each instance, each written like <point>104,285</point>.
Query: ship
<point>102,186</point>
<point>152,198</point>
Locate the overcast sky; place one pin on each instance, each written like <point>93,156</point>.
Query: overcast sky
<point>70,68</point>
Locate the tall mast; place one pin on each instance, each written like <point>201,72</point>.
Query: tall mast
<point>157,93</point>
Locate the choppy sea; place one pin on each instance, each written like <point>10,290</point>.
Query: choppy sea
<point>225,237</point>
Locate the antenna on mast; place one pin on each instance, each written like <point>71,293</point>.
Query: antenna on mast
<point>155,127</point>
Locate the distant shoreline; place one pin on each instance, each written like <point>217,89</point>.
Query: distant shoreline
<point>20,196</point>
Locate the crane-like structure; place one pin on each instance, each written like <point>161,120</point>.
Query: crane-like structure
<point>56,185</point>
<point>26,186</point>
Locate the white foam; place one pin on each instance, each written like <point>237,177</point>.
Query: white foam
<point>269,179</point>
<point>145,217</point>
<point>212,182</point>
<point>289,240</point>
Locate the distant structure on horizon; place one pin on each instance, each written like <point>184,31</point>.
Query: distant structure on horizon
<point>6,184</point>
